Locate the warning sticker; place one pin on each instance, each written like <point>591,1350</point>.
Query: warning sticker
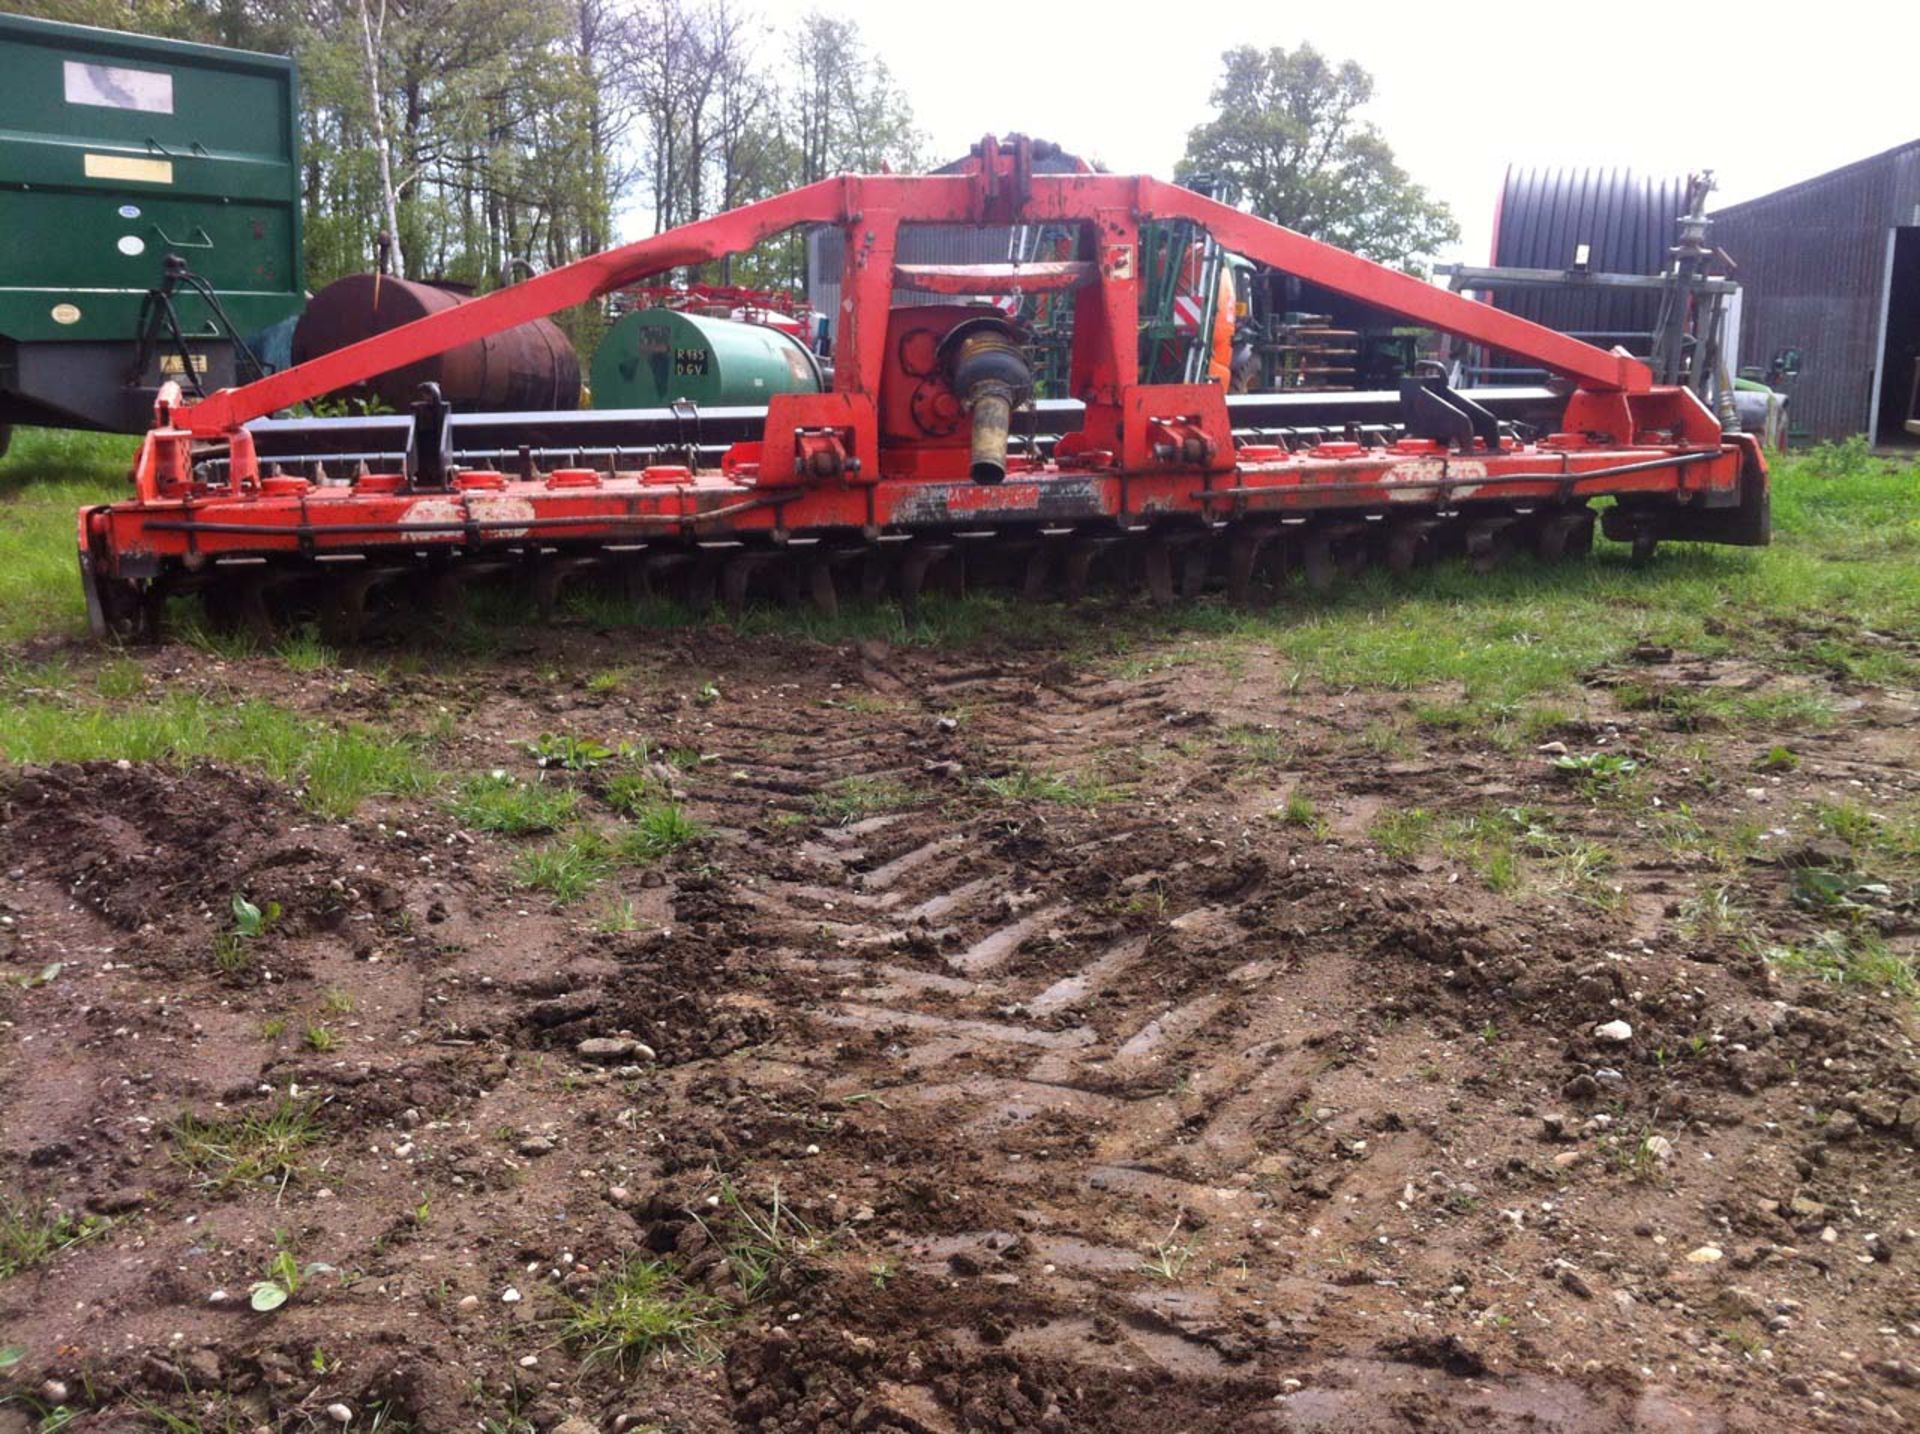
<point>129,166</point>
<point>118,88</point>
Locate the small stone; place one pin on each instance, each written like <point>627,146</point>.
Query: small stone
<point>1705,1255</point>
<point>1567,1159</point>
<point>509,1296</point>
<point>1554,1127</point>
<point>1614,1031</point>
<point>534,1146</point>
<point>1840,1126</point>
<point>340,1413</point>
<point>1660,1148</point>
<point>1574,1283</point>
<point>1581,1087</point>
<point>1552,749</point>
<point>947,724</point>
<point>470,1302</point>
<point>117,1202</point>
<point>613,1048</point>
<point>54,1392</point>
<point>529,1361</point>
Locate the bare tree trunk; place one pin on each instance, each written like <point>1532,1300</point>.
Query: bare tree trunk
<point>381,148</point>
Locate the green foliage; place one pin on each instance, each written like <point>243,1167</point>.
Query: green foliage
<point>657,830</point>
<point>1299,811</point>
<point>233,948</point>
<point>1025,785</point>
<point>1288,138</point>
<point>568,867</point>
<point>853,799</point>
<point>250,921</point>
<point>1596,773</point>
<point>640,1310</point>
<point>1853,958</point>
<point>284,1278</point>
<point>45,478</point>
<point>335,768</point>
<point>1402,834</point>
<point>767,1247</point>
<point>573,754</point>
<point>496,802</point>
<point>247,1148</point>
<point>32,1235</point>
<point>305,652</point>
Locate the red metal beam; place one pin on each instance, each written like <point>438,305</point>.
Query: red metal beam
<point>538,297</point>
<point>871,208</point>
<point>1397,293</point>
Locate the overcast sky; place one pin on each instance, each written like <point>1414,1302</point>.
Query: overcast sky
<point>1778,93</point>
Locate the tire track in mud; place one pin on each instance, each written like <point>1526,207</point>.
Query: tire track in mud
<point>1101,1053</point>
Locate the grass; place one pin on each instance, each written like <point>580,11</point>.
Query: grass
<point>765,1248</point>
<point>45,479</point>
<point>568,867</point>
<point>31,1236</point>
<point>639,1311</point>
<point>1848,958</point>
<point>656,831</point>
<point>248,1148</point>
<point>305,652</point>
<point>496,802</point>
<point>333,768</point>
<point>1402,834</point>
<point>853,799</point>
<point>1299,811</point>
<point>1074,790</point>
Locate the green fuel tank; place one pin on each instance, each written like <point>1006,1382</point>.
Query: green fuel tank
<point>652,358</point>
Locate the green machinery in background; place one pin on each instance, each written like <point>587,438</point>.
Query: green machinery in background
<point>149,219</point>
<point>654,358</point>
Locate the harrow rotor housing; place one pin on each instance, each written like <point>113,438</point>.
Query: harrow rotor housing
<point>927,457</point>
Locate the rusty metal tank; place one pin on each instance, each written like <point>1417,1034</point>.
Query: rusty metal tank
<point>529,367</point>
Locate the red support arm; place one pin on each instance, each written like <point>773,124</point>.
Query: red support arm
<point>538,297</point>
<point>872,208</point>
<point>1397,293</point>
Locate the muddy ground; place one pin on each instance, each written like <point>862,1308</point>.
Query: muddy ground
<point>1137,1100</point>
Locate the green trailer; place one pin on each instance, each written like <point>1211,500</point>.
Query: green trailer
<point>138,177</point>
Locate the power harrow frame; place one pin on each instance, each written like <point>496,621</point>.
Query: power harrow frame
<point>912,467</point>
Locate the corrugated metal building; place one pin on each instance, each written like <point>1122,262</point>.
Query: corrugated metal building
<point>1831,267</point>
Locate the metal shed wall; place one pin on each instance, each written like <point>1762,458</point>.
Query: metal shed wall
<point>1812,269</point>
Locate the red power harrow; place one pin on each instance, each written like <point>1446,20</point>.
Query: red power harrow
<point>928,461</point>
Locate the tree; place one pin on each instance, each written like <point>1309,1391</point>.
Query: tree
<point>1288,138</point>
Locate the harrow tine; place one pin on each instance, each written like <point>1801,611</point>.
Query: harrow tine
<point>1486,543</point>
<point>1080,555</point>
<point>343,607</point>
<point>1564,535</point>
<point>1408,544</point>
<point>736,577</point>
<point>1195,563</point>
<point>1243,558</point>
<point>237,603</point>
<point>914,567</point>
<point>1316,561</point>
<point>702,582</point>
<point>1033,583</point>
<point>1159,565</point>
<point>550,573</point>
<point>820,589</point>
<point>876,571</point>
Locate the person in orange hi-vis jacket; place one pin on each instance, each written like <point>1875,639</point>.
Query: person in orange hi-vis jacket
<point>1220,349</point>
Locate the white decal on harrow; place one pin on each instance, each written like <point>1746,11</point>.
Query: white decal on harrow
<point>1429,470</point>
<point>499,516</point>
